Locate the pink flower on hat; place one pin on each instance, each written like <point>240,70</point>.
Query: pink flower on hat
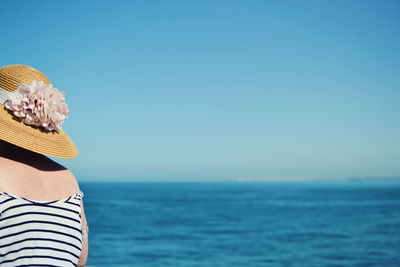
<point>38,104</point>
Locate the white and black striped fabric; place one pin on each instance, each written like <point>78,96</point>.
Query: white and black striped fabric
<point>40,233</point>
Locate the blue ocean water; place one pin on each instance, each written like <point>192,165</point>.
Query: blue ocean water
<point>224,224</point>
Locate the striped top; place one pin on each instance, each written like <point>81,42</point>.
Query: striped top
<point>40,233</point>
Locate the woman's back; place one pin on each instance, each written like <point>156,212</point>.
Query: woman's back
<point>33,175</point>
<point>33,232</point>
<point>40,211</point>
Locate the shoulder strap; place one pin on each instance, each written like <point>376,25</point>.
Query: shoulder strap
<point>79,195</point>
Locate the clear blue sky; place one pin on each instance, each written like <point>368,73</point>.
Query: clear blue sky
<point>217,90</point>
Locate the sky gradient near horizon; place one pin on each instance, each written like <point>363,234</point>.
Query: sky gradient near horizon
<point>219,90</point>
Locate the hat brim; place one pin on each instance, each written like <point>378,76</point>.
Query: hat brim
<point>52,143</point>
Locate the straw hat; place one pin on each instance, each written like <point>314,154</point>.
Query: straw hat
<point>14,130</point>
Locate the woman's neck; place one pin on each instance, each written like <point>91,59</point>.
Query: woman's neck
<point>27,157</point>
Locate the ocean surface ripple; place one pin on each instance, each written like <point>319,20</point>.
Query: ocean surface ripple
<point>189,224</point>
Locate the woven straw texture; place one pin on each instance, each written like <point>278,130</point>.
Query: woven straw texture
<point>52,143</point>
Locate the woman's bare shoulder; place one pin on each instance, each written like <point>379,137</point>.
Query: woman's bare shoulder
<point>55,181</point>
<point>65,175</point>
<point>62,182</point>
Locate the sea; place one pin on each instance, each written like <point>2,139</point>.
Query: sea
<point>243,224</point>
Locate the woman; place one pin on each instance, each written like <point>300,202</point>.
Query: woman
<point>42,219</point>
